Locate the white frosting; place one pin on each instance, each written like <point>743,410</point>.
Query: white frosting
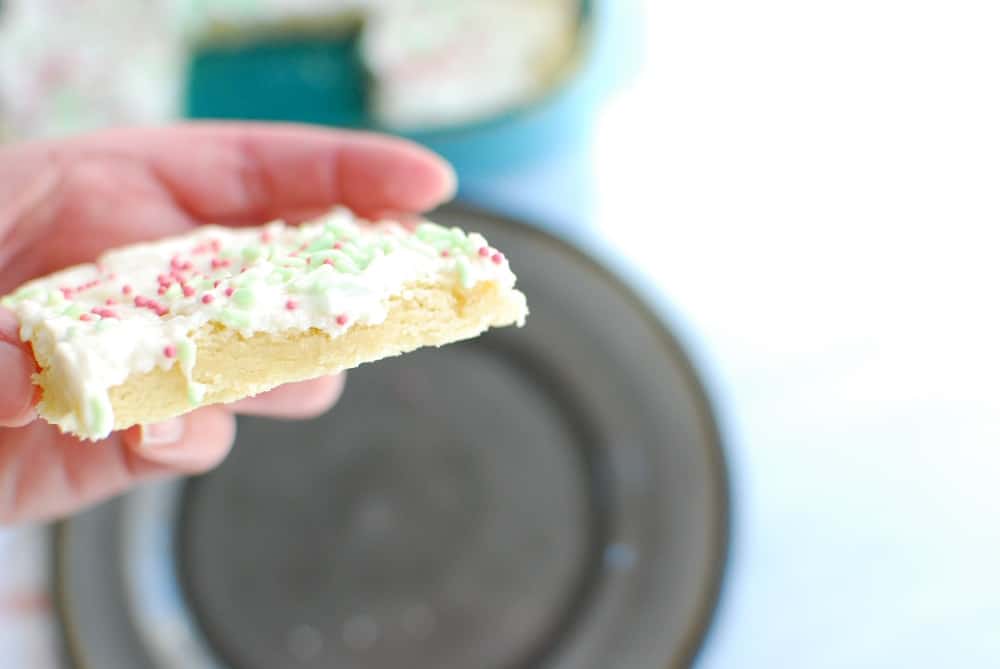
<point>98,325</point>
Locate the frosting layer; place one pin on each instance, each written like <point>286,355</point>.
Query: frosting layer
<point>137,307</point>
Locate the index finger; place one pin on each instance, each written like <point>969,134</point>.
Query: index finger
<point>254,172</point>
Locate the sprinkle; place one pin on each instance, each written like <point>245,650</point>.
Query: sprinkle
<point>244,297</point>
<point>169,351</point>
<point>161,291</point>
<point>342,319</point>
<point>252,253</point>
<point>216,284</point>
<point>188,291</point>
<point>229,291</point>
<point>160,310</point>
<point>175,262</point>
<point>235,319</point>
<point>207,298</point>
<point>126,289</point>
<point>66,292</point>
<point>445,253</point>
<point>266,237</point>
<point>86,317</point>
<point>291,305</point>
<point>215,245</point>
<point>185,351</point>
<point>110,301</point>
<point>464,273</point>
<point>497,258</point>
<point>163,279</point>
<point>218,263</point>
<point>141,301</point>
<point>483,251</point>
<point>338,245</point>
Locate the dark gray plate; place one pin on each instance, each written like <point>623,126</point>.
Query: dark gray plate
<point>548,497</point>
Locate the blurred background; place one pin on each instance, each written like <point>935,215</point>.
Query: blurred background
<point>765,231</point>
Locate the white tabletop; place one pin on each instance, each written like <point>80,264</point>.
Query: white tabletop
<point>816,187</point>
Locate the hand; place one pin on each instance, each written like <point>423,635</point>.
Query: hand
<point>62,202</point>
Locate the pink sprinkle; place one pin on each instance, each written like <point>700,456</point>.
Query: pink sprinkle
<point>338,245</point>
<point>215,245</point>
<point>216,284</point>
<point>342,319</point>
<point>188,291</point>
<point>207,298</point>
<point>126,289</point>
<point>104,312</point>
<point>230,291</point>
<point>327,262</point>
<point>67,292</point>
<point>162,290</point>
<point>186,265</point>
<point>291,305</point>
<point>265,237</point>
<point>163,279</point>
<point>109,301</point>
<point>497,258</point>
<point>483,252</point>
<point>161,310</point>
<point>175,262</point>
<point>216,263</point>
<point>86,317</point>
<point>169,351</point>
<point>445,253</point>
<point>141,301</point>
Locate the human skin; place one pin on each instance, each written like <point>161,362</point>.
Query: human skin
<point>64,201</point>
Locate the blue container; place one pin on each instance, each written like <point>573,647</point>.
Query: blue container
<point>531,162</point>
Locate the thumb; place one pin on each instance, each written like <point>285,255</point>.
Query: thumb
<point>17,393</point>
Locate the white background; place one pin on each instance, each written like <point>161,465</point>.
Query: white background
<point>816,188</point>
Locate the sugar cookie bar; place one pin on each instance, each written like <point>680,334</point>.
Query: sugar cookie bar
<point>153,330</point>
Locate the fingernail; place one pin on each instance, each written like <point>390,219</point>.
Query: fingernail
<point>157,435</point>
<point>17,391</point>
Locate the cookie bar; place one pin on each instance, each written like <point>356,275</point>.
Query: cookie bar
<point>154,330</point>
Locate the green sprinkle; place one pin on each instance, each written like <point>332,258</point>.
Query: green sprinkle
<point>96,417</point>
<point>185,352</point>
<point>464,272</point>
<point>252,253</point>
<point>73,310</point>
<point>292,261</point>
<point>431,232</point>
<point>388,246</point>
<point>55,298</point>
<point>360,256</point>
<point>195,393</point>
<point>174,292</point>
<point>235,319</point>
<point>244,297</point>
<point>104,324</point>
<point>322,242</point>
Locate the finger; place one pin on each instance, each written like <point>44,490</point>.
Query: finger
<point>195,442</point>
<point>45,474</point>
<point>306,399</point>
<point>16,367</point>
<point>240,172</point>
